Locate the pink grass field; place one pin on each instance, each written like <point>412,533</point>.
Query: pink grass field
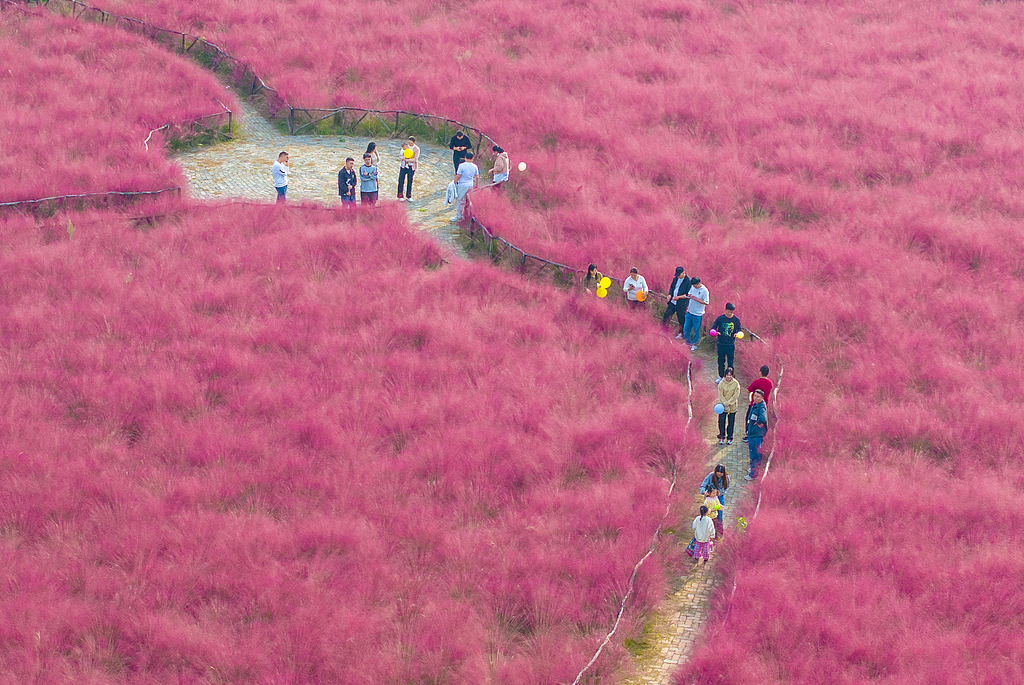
<point>847,172</point>
<point>80,99</point>
<point>263,446</point>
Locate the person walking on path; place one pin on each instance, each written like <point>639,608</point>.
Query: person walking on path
<point>368,181</point>
<point>728,396</point>
<point>726,326</point>
<point>757,428</point>
<point>717,480</point>
<point>371,150</point>
<point>406,170</point>
<point>698,298</point>
<point>677,299</point>
<point>280,173</point>
<point>347,182</point>
<point>703,529</point>
<point>465,180</point>
<point>460,145</point>
<point>765,385</point>
<point>633,286</point>
<point>499,172</point>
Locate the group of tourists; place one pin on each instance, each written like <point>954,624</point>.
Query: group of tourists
<point>688,299</point>
<point>365,178</point>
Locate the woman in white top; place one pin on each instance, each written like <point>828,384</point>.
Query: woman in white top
<point>633,286</point>
<point>371,150</point>
<point>703,530</point>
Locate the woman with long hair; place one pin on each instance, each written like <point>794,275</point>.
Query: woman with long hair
<point>371,150</point>
<point>717,480</point>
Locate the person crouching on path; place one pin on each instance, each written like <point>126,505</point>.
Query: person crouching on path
<point>368,181</point>
<point>726,326</point>
<point>280,173</point>
<point>347,182</point>
<point>465,180</point>
<point>634,285</point>
<point>703,530</point>
<point>757,428</point>
<point>699,298</point>
<point>717,480</point>
<point>678,291</point>
<point>729,397</point>
<point>765,385</point>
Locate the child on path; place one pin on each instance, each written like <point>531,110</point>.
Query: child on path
<point>368,181</point>
<point>280,173</point>
<point>717,480</point>
<point>729,397</point>
<point>698,301</point>
<point>703,529</point>
<point>347,182</point>
<point>715,508</point>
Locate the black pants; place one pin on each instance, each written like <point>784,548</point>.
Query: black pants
<point>725,354</point>
<point>746,419</point>
<point>722,430</point>
<point>457,159</point>
<point>405,176</point>
<point>673,308</point>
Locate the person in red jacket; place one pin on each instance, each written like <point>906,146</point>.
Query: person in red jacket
<point>765,385</point>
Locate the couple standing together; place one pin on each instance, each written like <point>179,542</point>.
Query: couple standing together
<point>688,299</point>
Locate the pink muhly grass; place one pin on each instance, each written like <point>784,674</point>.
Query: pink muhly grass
<point>231,456</point>
<point>80,99</point>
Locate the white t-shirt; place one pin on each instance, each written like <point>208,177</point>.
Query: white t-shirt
<point>280,172</point>
<point>696,308</point>
<point>703,528</point>
<point>467,172</point>
<point>638,284</point>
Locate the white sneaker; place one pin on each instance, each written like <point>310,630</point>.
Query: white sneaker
<point>693,348</point>
<point>718,380</point>
<point>679,337</point>
<point>749,477</point>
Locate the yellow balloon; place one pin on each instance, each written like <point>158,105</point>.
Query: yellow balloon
<point>407,153</point>
<point>602,292</point>
<point>739,335</point>
<point>606,282</point>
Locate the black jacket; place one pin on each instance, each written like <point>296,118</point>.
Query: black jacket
<point>682,291</point>
<point>346,181</point>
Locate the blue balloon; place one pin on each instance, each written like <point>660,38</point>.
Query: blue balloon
<point>719,408</point>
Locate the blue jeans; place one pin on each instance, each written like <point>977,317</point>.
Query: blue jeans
<point>281,190</point>
<point>691,328</point>
<point>755,452</point>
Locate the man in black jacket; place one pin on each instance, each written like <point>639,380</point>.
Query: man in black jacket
<point>347,182</point>
<point>726,326</point>
<point>459,145</point>
<point>677,298</point>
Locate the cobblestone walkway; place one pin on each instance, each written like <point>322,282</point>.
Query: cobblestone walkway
<point>675,629</point>
<point>241,169</point>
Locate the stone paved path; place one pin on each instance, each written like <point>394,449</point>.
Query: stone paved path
<point>677,625</point>
<point>241,169</point>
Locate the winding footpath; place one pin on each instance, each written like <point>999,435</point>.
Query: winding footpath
<point>240,169</point>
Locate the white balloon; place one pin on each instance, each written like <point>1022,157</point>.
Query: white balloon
<point>522,166</point>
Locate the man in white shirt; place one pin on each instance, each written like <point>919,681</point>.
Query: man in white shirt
<point>699,298</point>
<point>465,180</point>
<point>280,173</point>
<point>634,285</point>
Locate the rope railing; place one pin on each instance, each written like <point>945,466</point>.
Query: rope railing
<point>93,199</point>
<point>222,130</point>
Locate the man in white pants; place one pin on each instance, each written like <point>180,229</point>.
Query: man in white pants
<point>465,181</point>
